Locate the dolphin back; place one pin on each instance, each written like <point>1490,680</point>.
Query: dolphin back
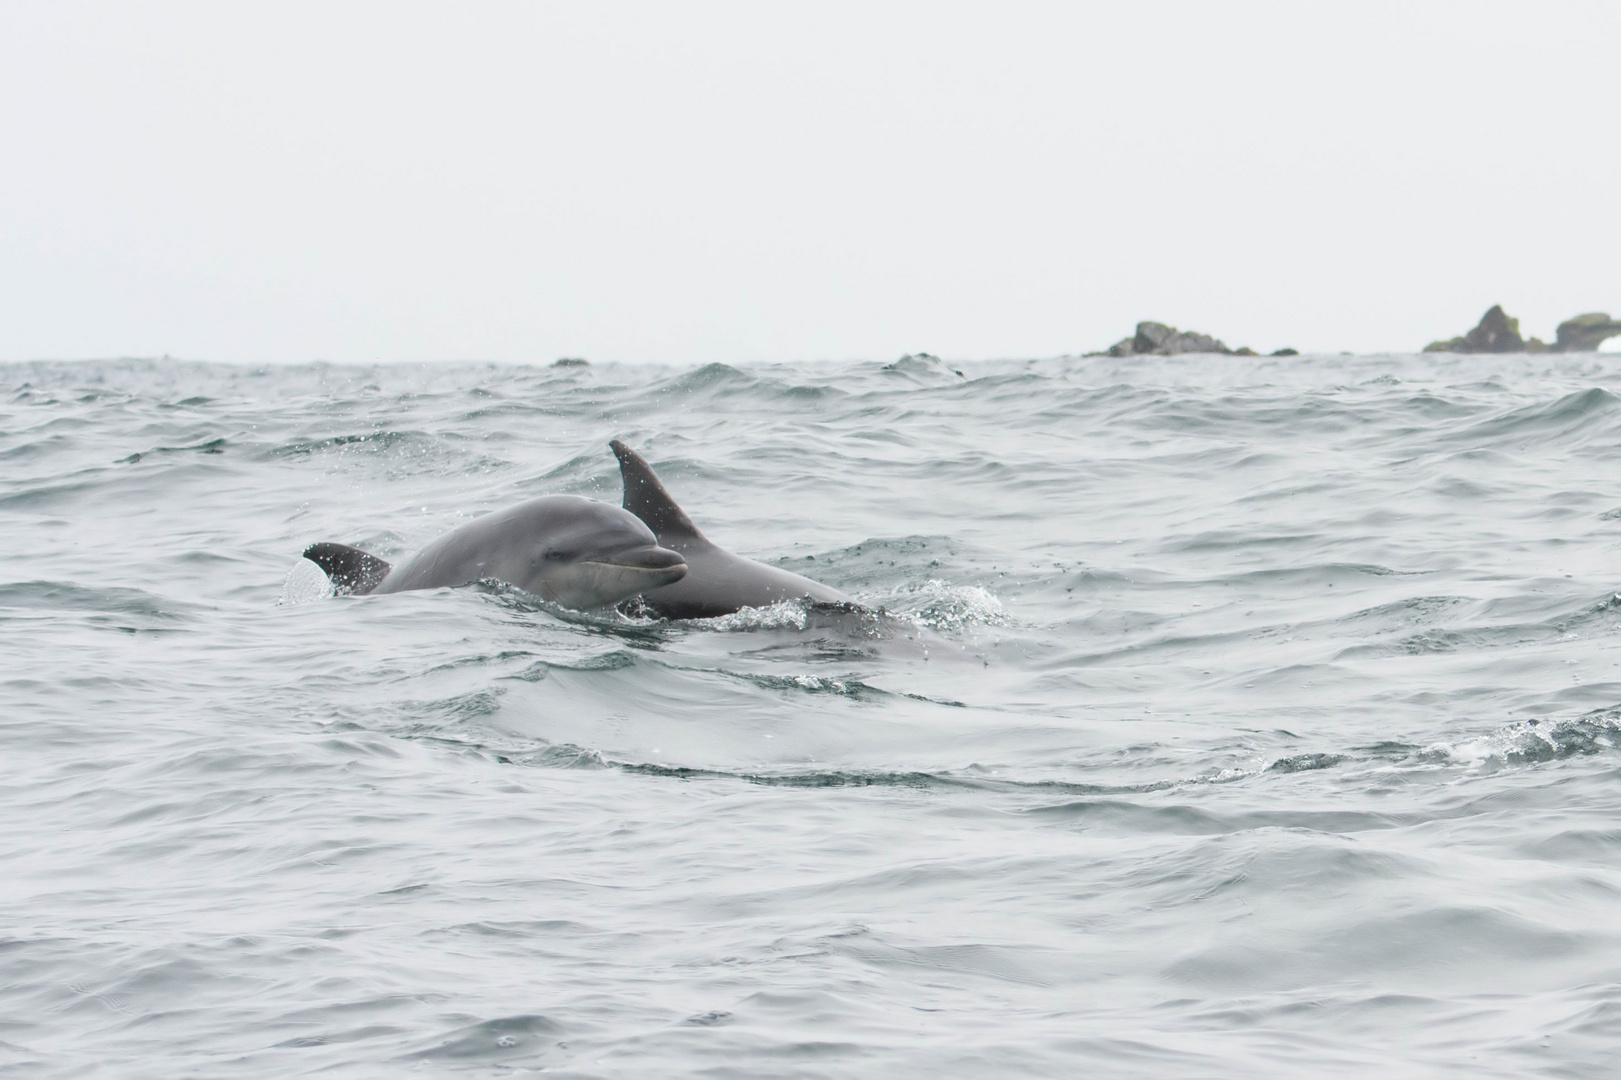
<point>718,582</point>
<point>352,572</point>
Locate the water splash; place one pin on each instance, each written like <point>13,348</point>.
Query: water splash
<point>936,605</point>
<point>305,583</point>
<point>1529,742</point>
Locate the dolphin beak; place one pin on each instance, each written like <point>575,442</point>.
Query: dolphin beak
<point>669,565</point>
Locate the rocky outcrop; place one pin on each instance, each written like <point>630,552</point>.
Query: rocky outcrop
<point>1585,333</point>
<point>1157,339</point>
<point>1498,333</point>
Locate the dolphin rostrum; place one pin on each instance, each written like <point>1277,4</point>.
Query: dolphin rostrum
<point>717,582</point>
<point>575,552</point>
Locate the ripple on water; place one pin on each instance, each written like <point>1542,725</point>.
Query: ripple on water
<point>1204,716</point>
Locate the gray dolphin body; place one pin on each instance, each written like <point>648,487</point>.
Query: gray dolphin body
<point>576,552</point>
<point>717,582</point>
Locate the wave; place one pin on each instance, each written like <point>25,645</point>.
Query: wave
<point>215,445</point>
<point>528,1036</point>
<point>1605,613</point>
<point>1529,742</point>
<point>922,369</point>
<point>370,441</point>
<point>936,605</point>
<point>111,600</point>
<point>1572,420</point>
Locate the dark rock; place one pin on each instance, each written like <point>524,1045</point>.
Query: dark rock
<point>1189,341</point>
<point>1497,333</point>
<point>1585,333</point>
<point>570,361</point>
<point>1245,350</point>
<point>1152,336</point>
<point>1157,339</point>
<point>1286,352</point>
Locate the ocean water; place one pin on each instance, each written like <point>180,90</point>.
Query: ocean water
<point>1226,717</point>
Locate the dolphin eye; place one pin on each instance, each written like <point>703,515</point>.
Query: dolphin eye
<point>553,555</point>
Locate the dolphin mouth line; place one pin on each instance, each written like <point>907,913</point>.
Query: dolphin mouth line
<point>682,566</point>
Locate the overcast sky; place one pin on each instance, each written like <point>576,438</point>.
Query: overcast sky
<point>687,182</point>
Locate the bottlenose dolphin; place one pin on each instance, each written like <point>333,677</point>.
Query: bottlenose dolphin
<point>717,582</point>
<point>576,552</point>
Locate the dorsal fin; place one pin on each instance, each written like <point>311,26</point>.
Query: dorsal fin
<point>353,572</point>
<point>646,498</point>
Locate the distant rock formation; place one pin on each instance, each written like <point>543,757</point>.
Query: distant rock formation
<point>570,361</point>
<point>1498,333</point>
<point>1585,333</point>
<point>1157,339</point>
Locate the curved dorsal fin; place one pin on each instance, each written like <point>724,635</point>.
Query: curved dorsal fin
<point>353,572</point>
<point>646,498</point>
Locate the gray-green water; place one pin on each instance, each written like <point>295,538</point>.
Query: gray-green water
<point>1232,717</point>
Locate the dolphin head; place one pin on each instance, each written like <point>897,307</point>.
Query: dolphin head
<point>592,555</point>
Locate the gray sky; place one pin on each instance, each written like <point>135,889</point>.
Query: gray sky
<point>692,182</point>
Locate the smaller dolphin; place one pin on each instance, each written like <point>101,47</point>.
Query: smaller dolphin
<point>717,582</point>
<point>575,552</point>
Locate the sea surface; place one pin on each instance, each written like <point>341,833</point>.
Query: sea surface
<point>1224,717</point>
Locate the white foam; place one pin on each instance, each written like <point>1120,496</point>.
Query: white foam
<point>305,584</point>
<point>938,606</point>
<point>1535,740</point>
<point>787,615</point>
